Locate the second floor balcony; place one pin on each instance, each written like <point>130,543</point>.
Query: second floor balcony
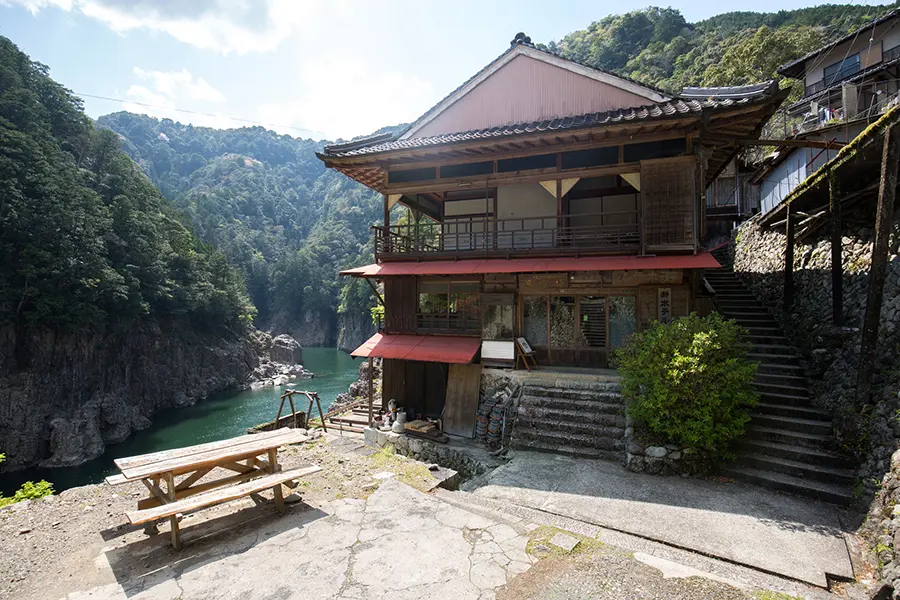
<point>471,237</point>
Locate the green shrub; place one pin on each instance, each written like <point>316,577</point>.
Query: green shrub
<point>689,382</point>
<point>28,491</point>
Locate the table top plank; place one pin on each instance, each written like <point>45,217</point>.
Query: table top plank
<point>129,462</point>
<point>181,463</point>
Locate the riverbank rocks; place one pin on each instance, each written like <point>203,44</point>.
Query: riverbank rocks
<point>286,350</point>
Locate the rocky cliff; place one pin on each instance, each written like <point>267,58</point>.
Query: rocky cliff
<point>353,330</point>
<point>64,397</point>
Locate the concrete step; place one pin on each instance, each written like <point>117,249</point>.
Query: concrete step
<point>783,386</point>
<point>752,319</point>
<point>765,331</point>
<point>576,440</point>
<point>729,306</point>
<point>780,378</point>
<point>779,349</point>
<point>796,468</point>
<point>834,494</point>
<point>793,411</point>
<point>614,407</point>
<point>528,413</point>
<point>811,426</point>
<point>545,389</point>
<point>594,395</point>
<point>784,399</point>
<point>788,436</point>
<point>614,431</point>
<point>555,448</point>
<point>814,456</point>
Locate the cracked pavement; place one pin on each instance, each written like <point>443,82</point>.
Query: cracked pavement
<point>398,543</point>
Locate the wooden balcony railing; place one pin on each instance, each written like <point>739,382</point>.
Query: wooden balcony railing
<point>531,236</point>
<point>830,80</point>
<point>448,323</point>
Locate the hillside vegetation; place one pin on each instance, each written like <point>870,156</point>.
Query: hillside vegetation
<point>265,200</point>
<point>86,237</point>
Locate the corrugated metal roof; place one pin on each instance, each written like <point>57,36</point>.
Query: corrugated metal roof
<point>704,260</point>
<point>427,348</point>
<point>671,109</point>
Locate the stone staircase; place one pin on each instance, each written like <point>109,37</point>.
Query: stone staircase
<point>788,445</point>
<point>574,414</point>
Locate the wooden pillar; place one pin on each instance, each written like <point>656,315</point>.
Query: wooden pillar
<point>837,268</point>
<point>387,211</point>
<point>371,389</point>
<point>173,520</point>
<point>878,271</point>
<point>789,261</point>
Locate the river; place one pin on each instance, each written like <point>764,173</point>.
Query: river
<point>216,418</point>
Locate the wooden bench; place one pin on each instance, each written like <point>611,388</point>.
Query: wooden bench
<point>222,495</point>
<point>253,461</point>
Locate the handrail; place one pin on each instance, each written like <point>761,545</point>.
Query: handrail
<point>485,234</point>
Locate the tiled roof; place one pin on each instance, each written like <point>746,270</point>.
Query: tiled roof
<point>726,97</point>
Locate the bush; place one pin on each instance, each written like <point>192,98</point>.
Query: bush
<point>28,491</point>
<point>690,381</point>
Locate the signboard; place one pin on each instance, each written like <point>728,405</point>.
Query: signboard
<point>523,345</point>
<point>664,298</point>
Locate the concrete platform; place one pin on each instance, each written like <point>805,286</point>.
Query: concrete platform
<point>790,536</point>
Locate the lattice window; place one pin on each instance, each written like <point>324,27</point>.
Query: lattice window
<point>667,197</point>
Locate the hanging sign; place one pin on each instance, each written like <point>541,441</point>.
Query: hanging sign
<point>664,297</point>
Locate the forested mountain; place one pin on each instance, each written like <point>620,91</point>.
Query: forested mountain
<point>657,46</point>
<point>110,307</point>
<point>86,238</point>
<point>272,207</point>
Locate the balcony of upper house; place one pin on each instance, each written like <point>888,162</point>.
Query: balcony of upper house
<point>596,216</point>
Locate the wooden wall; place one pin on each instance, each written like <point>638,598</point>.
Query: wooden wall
<point>401,301</point>
<point>418,387</point>
<point>669,198</point>
<point>648,303</point>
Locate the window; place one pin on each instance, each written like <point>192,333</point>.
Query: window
<point>449,306</point>
<point>498,317</point>
<point>842,69</point>
<point>536,320</point>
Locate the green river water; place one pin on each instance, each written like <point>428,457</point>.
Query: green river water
<point>219,417</point>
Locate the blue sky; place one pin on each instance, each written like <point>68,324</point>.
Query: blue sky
<point>311,68</point>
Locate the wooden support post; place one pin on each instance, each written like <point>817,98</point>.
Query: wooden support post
<point>371,389</point>
<point>789,261</point>
<point>276,490</point>
<point>173,520</point>
<point>878,271</point>
<point>387,211</point>
<point>837,268</point>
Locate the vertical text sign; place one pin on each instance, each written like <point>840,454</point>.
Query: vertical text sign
<point>664,296</point>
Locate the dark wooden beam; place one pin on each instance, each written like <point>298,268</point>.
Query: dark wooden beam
<point>837,266</point>
<point>788,300</point>
<point>743,141</point>
<point>371,389</point>
<point>878,270</point>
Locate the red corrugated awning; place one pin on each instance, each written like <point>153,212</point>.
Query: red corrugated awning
<point>704,260</point>
<point>427,348</point>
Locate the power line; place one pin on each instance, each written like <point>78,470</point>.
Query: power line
<point>202,114</point>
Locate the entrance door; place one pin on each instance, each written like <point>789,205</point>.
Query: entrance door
<point>593,330</point>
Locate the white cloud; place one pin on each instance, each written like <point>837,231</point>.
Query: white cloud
<point>165,91</point>
<point>345,98</point>
<point>181,84</point>
<point>224,26</point>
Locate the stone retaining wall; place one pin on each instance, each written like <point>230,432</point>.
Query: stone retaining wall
<point>642,456</point>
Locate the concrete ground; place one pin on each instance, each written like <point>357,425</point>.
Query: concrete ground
<point>777,533</point>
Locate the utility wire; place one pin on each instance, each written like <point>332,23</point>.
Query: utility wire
<point>202,114</point>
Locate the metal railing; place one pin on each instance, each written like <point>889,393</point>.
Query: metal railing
<point>484,235</point>
<point>830,80</point>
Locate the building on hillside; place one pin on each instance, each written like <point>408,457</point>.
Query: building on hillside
<point>848,84</point>
<point>731,198</point>
<point>547,200</point>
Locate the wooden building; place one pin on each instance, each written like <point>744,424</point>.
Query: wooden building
<point>548,200</point>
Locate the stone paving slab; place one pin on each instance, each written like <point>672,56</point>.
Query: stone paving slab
<point>398,544</point>
<point>778,533</point>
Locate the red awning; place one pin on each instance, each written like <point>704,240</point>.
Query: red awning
<point>704,260</point>
<point>427,348</point>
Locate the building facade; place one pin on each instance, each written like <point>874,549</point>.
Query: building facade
<point>545,200</point>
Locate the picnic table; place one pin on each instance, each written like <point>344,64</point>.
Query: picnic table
<point>252,461</point>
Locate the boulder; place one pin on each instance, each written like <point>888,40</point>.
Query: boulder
<point>286,349</point>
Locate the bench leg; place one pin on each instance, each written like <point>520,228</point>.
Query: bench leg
<point>173,520</point>
<point>276,490</point>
